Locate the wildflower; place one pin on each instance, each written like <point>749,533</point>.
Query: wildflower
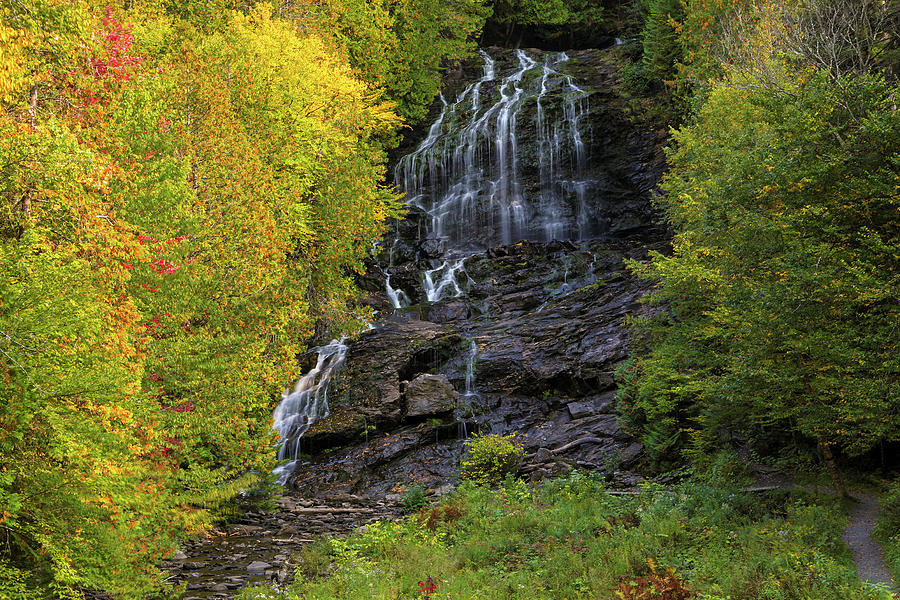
<point>428,587</point>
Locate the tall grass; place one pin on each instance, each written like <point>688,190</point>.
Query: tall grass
<point>570,539</point>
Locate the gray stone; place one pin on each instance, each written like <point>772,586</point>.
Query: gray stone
<point>581,409</point>
<point>258,565</point>
<point>543,455</point>
<point>443,312</point>
<point>430,394</point>
<point>432,248</point>
<point>442,490</point>
<point>630,454</point>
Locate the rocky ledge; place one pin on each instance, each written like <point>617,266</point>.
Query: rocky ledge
<point>526,338</point>
<point>530,347</point>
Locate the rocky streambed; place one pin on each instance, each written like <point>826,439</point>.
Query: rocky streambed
<point>262,547</point>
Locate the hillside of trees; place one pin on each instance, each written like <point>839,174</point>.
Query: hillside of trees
<point>188,188</point>
<point>780,297</point>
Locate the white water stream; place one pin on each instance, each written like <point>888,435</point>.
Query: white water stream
<point>308,402</point>
<point>466,175</point>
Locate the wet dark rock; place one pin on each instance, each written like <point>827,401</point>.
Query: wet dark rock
<point>630,454</point>
<point>546,374</point>
<point>430,394</point>
<point>432,248</point>
<point>443,312</point>
<point>581,409</point>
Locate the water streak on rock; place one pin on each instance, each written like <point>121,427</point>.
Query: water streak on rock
<point>398,297</point>
<point>447,285</point>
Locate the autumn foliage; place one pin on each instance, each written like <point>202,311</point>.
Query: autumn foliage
<point>780,306</point>
<point>186,190</point>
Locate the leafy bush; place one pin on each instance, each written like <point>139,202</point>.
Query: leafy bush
<point>431,519</point>
<point>888,528</point>
<point>655,586</point>
<point>13,583</point>
<point>491,457</point>
<point>413,499</point>
<point>315,559</point>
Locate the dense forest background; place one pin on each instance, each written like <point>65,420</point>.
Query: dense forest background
<point>188,188</point>
<point>781,317</point>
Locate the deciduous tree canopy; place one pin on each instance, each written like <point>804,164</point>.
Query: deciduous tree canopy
<point>186,190</point>
<point>781,293</point>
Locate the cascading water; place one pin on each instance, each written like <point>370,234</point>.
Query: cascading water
<point>398,297</point>
<point>470,370</point>
<point>464,408</point>
<point>307,403</point>
<point>447,285</point>
<point>466,174</point>
<point>505,161</point>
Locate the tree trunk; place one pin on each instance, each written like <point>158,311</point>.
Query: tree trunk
<point>833,471</point>
<point>33,103</point>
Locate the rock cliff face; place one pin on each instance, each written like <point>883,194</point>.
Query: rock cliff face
<point>502,295</point>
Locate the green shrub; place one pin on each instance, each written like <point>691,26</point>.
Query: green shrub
<point>491,457</point>
<point>413,499</point>
<point>13,583</point>
<point>888,528</point>
<point>315,559</point>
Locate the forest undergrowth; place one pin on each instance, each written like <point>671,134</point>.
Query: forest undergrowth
<point>571,538</point>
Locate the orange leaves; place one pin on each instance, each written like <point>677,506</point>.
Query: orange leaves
<point>653,586</point>
<point>12,61</point>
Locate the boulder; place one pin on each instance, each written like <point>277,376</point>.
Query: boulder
<point>430,394</point>
<point>581,409</point>
<point>629,455</point>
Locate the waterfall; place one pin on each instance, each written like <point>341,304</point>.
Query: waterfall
<point>469,175</point>
<point>465,406</point>
<point>398,297</point>
<point>307,403</point>
<point>447,282</point>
